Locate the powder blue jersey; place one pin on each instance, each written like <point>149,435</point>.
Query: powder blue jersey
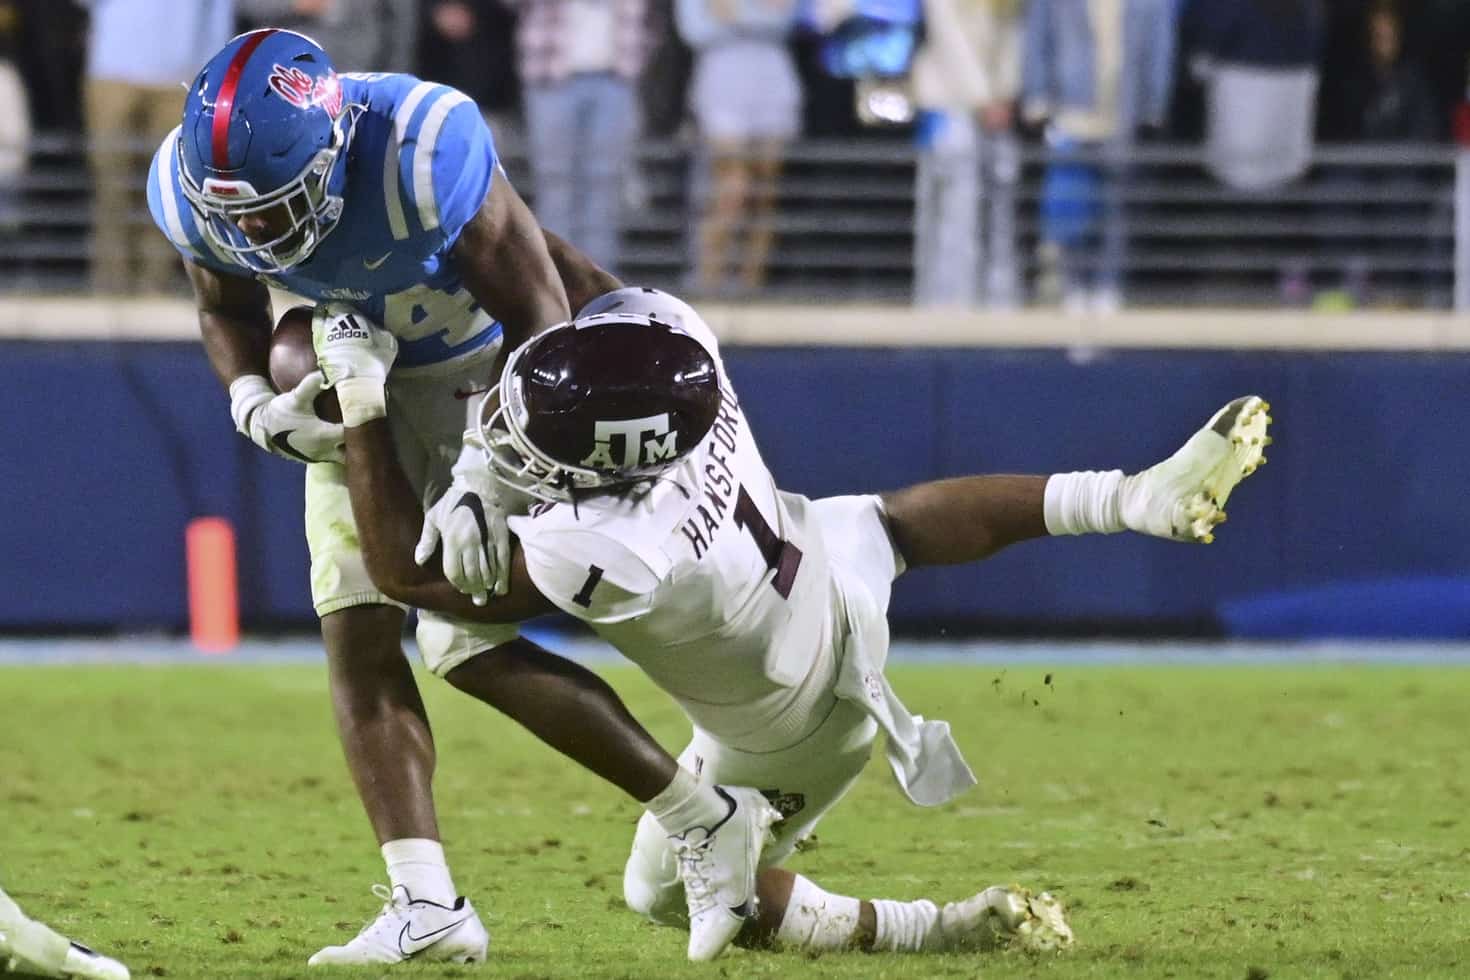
<point>419,165</point>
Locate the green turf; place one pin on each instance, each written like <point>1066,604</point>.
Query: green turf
<point>1232,822</point>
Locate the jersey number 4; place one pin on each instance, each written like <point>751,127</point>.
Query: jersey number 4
<point>781,556</point>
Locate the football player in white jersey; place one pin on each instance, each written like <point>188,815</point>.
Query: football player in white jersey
<point>35,949</point>
<point>763,613</point>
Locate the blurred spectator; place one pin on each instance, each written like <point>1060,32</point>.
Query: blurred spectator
<point>746,101</point>
<point>580,61</point>
<point>140,56</point>
<point>470,44</point>
<point>358,35</point>
<point>51,54</point>
<point>1258,60</point>
<point>1387,101</point>
<point>965,80</point>
<point>15,117</point>
<point>1096,74</point>
<point>1439,37</point>
<point>1391,100</point>
<point>828,103</point>
<point>665,83</point>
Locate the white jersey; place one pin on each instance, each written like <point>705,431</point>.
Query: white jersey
<point>713,581</point>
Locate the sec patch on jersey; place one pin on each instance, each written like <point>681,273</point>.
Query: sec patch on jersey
<point>292,358</point>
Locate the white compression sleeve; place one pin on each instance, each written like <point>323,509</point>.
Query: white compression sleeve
<point>1084,503</point>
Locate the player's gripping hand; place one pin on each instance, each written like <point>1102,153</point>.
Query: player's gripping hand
<point>469,520</point>
<point>355,356</point>
<point>286,424</point>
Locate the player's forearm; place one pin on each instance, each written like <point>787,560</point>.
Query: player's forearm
<point>965,519</point>
<point>389,521</point>
<point>388,516</point>
<point>234,323</point>
<point>583,279</point>
<point>235,345</point>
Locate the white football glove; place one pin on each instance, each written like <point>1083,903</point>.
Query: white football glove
<point>355,355</point>
<point>470,521</point>
<point>286,424</point>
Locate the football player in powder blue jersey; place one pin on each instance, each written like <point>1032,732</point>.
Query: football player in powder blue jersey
<point>381,196</point>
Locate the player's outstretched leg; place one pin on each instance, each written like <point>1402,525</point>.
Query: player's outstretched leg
<point>1182,498</point>
<point>796,913</point>
<point>27,946</point>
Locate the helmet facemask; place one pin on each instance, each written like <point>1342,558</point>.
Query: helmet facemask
<point>308,199</point>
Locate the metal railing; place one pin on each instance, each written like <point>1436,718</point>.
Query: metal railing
<point>1383,221</point>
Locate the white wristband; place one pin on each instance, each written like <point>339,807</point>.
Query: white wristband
<point>361,400</point>
<point>246,393</point>
<point>1084,503</point>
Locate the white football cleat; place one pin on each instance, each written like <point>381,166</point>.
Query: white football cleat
<point>717,866</point>
<point>29,947</point>
<point>1000,917</point>
<point>410,928</point>
<point>1183,497</point>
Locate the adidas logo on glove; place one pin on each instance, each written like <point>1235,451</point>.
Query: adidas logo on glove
<point>347,328</point>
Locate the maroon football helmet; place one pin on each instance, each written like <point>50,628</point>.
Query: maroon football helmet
<point>600,402</point>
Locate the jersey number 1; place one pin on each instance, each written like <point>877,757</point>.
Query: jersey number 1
<point>782,556</point>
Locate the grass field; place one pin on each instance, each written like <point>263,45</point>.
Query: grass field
<point>1200,822</point>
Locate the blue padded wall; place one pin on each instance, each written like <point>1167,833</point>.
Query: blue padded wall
<point>1355,527</point>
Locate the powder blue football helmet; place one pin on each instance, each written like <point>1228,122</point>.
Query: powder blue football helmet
<point>265,127</point>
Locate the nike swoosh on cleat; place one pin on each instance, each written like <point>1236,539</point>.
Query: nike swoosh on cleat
<point>728,799</point>
<point>373,266</point>
<point>279,441</point>
<point>708,831</point>
<point>420,942</point>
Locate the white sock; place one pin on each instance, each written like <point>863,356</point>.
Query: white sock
<point>1084,503</point>
<point>685,803</point>
<point>818,920</point>
<point>418,865</point>
<point>904,927</point>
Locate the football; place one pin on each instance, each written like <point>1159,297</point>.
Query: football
<point>292,358</point>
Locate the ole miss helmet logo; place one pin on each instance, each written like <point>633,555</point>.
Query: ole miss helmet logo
<point>303,91</point>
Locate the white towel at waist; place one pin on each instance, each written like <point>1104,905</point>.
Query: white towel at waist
<point>925,759</point>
